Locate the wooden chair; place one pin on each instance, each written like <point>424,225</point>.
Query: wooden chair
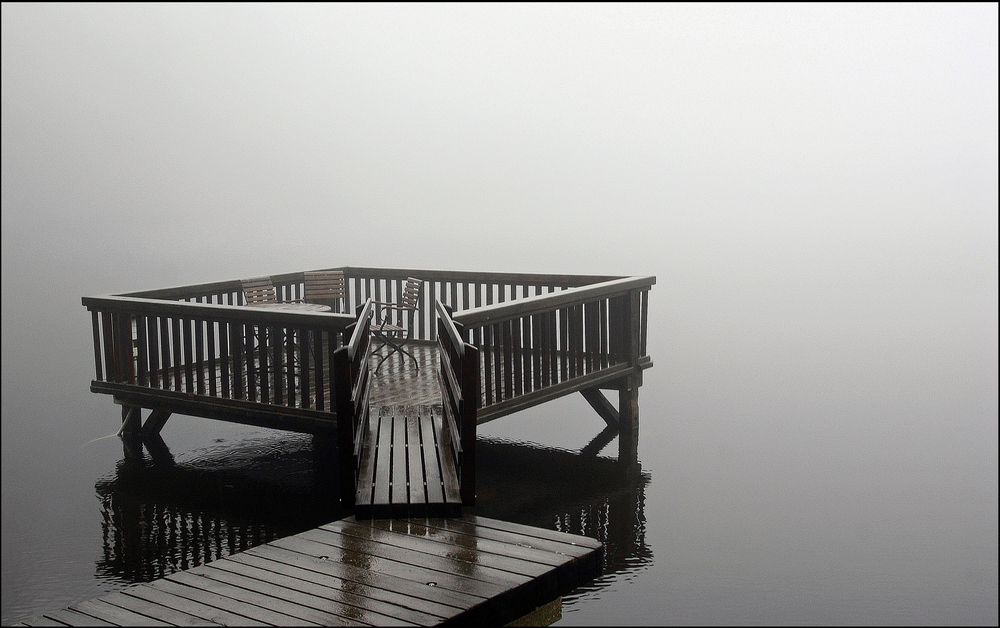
<point>390,330</point>
<point>259,290</point>
<point>326,287</point>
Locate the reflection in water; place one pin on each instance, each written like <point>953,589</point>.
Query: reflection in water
<point>159,516</point>
<point>570,492</point>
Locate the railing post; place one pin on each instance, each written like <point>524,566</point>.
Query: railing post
<point>342,382</point>
<point>470,396</point>
<point>628,387</point>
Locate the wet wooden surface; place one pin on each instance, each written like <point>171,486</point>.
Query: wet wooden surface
<point>407,466</point>
<point>399,382</point>
<point>422,572</point>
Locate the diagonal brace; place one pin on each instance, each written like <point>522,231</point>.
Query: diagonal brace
<point>601,404</point>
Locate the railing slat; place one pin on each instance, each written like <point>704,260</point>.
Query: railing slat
<point>98,361</point>
<point>199,343</point>
<point>224,359</point>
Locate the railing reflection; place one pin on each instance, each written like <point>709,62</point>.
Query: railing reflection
<point>146,541</point>
<point>568,491</point>
<point>159,517</point>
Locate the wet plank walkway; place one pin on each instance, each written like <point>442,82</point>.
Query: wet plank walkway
<point>420,572</point>
<point>406,467</point>
<point>400,382</point>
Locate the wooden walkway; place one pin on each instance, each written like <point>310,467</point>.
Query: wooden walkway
<point>406,468</point>
<point>399,382</point>
<point>420,572</point>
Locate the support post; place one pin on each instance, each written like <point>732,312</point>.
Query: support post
<point>628,390</point>
<point>132,446</point>
<point>628,427</point>
<point>342,378</point>
<point>470,403</point>
<point>131,419</point>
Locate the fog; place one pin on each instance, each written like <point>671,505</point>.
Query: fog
<point>813,186</point>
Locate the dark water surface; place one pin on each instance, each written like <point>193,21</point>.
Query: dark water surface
<point>790,475</point>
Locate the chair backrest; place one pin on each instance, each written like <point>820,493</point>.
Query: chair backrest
<point>411,293</point>
<point>258,290</point>
<point>326,287</point>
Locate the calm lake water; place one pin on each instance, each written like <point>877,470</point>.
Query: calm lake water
<point>805,460</point>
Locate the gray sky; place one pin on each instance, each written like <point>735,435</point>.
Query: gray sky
<point>818,157</point>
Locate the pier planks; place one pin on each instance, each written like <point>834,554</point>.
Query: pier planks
<point>418,571</point>
<point>406,467</point>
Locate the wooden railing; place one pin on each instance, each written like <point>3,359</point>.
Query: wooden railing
<point>462,290</point>
<point>534,333</point>
<point>353,386</point>
<point>153,352</point>
<point>459,379</point>
<point>542,347</point>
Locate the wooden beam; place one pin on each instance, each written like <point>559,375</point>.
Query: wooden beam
<point>233,410</point>
<point>601,404</point>
<point>590,380</point>
<point>156,420</point>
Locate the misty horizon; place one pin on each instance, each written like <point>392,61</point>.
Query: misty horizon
<point>814,188</point>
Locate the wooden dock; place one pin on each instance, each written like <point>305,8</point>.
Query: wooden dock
<point>198,350</point>
<point>419,572</point>
<point>405,444</point>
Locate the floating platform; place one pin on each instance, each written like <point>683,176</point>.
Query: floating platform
<point>421,572</point>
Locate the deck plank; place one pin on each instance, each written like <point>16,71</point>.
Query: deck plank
<point>464,558</point>
<point>416,590</point>
<point>449,474</point>
<point>366,471</point>
<point>383,448</point>
<point>469,537</point>
<point>344,603</point>
<point>288,601</point>
<point>420,572</point>
<point>253,606</point>
<point>154,609</point>
<point>402,468</point>
<point>354,592</point>
<point>432,470</point>
<point>399,489</point>
<point>350,551</point>
<point>379,545</point>
<point>417,496</point>
<point>220,608</point>
<point>115,614</point>
<point>69,617</point>
<point>156,593</point>
<point>41,621</point>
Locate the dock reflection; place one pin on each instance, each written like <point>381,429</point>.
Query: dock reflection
<point>567,491</point>
<point>159,516</point>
